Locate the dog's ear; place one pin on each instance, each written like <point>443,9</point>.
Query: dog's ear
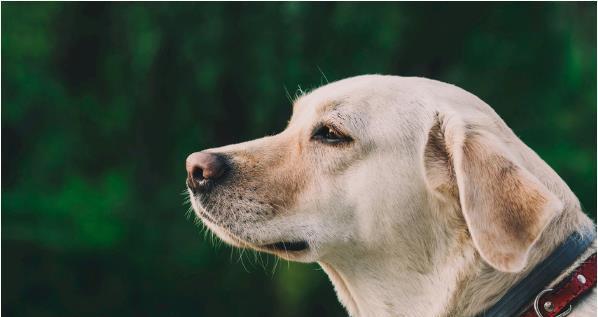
<point>505,207</point>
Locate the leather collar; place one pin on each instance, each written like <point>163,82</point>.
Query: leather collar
<point>523,294</point>
<point>559,300</point>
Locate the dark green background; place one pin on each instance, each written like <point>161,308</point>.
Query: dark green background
<point>101,103</point>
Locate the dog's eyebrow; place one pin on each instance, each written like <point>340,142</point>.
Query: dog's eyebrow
<point>352,121</point>
<point>334,110</point>
<point>328,106</point>
<point>337,113</point>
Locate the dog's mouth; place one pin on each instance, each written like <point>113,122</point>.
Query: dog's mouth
<point>285,246</point>
<point>278,247</point>
<point>282,248</point>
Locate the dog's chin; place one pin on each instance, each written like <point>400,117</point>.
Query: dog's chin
<point>293,249</point>
<point>222,233</point>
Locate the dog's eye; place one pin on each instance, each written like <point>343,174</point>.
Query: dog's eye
<point>329,135</point>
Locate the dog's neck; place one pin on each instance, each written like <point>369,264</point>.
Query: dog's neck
<point>384,289</point>
<point>444,276</point>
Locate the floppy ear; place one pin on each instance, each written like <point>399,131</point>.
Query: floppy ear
<point>506,208</point>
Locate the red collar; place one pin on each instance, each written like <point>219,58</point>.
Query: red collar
<point>560,299</point>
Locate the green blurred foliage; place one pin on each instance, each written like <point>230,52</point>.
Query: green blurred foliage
<point>101,103</point>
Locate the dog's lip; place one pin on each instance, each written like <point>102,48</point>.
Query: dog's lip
<point>287,246</point>
<point>294,246</point>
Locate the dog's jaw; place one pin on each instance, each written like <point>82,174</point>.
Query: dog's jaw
<point>289,245</point>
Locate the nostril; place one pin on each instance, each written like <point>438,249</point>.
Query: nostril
<point>197,173</point>
<point>204,169</point>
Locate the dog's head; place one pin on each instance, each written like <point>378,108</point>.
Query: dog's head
<point>372,164</point>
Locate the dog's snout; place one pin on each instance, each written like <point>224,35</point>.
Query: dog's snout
<point>203,167</point>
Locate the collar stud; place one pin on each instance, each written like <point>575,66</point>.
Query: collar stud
<point>549,306</point>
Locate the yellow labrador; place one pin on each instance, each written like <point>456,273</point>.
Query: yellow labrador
<point>412,194</point>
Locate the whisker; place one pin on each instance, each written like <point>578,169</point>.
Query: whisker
<point>321,72</point>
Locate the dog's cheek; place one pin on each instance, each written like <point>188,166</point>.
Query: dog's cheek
<point>286,183</point>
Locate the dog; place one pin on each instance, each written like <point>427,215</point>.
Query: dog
<point>412,194</point>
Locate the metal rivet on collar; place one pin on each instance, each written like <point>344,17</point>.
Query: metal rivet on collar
<point>548,306</point>
<point>581,279</point>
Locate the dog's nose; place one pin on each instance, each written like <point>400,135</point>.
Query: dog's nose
<point>204,166</point>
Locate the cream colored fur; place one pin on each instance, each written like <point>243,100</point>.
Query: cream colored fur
<point>435,208</point>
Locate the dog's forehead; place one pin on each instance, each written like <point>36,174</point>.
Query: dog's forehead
<point>344,96</point>
<point>387,97</point>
